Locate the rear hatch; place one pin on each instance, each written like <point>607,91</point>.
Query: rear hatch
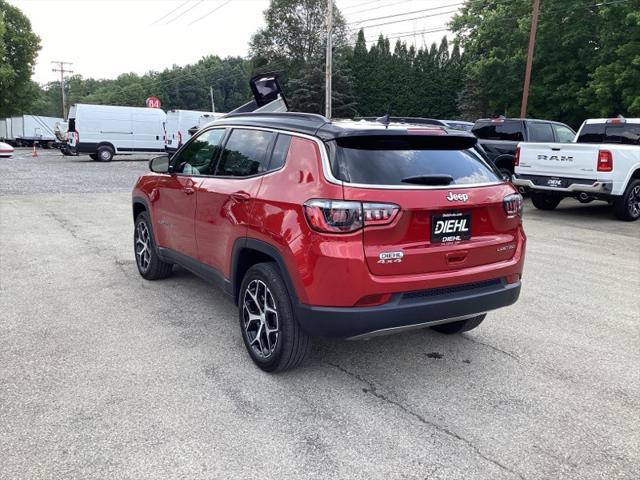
<point>571,160</point>
<point>451,213</point>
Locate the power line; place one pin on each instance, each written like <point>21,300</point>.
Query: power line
<point>214,10</point>
<point>403,20</point>
<point>378,7</point>
<point>185,11</point>
<point>363,3</point>
<point>172,11</point>
<point>406,13</point>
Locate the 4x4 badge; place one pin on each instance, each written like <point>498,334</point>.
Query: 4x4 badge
<point>452,197</point>
<point>390,257</point>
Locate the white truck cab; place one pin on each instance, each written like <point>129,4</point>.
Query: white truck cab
<point>603,163</point>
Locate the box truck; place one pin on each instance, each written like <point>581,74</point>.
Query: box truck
<point>102,131</point>
<point>35,128</point>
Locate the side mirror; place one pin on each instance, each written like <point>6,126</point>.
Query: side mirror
<point>159,164</point>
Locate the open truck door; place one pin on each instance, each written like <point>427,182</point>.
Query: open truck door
<point>267,95</point>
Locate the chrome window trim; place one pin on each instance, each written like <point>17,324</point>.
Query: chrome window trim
<point>328,173</point>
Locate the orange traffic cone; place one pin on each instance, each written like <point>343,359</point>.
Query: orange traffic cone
<point>34,153</point>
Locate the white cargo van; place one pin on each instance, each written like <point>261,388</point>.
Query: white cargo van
<point>177,127</point>
<point>7,130</point>
<point>103,131</point>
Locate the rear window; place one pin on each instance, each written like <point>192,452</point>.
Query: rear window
<point>393,161</point>
<point>625,133</point>
<point>510,130</point>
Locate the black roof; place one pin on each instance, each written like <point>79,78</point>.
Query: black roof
<point>316,125</point>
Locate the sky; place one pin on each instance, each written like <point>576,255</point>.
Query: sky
<point>104,38</point>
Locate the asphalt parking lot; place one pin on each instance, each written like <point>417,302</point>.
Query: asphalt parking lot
<point>105,375</point>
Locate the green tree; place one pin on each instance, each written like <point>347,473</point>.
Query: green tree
<point>586,62</point>
<point>19,48</point>
<point>293,40</point>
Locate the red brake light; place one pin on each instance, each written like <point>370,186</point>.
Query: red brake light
<point>605,161</point>
<point>516,160</point>
<point>512,204</point>
<point>616,120</point>
<point>179,138</point>
<point>338,216</point>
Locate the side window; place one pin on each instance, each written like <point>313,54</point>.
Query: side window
<point>540,132</point>
<point>279,152</point>
<point>564,134</point>
<point>245,153</point>
<point>196,158</point>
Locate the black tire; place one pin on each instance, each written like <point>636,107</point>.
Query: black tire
<point>148,262</point>
<point>459,326</point>
<point>105,153</point>
<point>627,207</point>
<point>544,201</point>
<point>93,156</point>
<point>286,346</point>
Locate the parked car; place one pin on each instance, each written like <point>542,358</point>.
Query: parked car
<point>283,210</point>
<point>103,131</point>
<point>177,127</point>
<point>603,164</point>
<point>500,136</point>
<point>6,150</point>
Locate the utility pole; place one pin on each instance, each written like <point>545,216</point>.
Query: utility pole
<point>213,105</point>
<point>62,71</point>
<point>532,45</point>
<point>329,65</point>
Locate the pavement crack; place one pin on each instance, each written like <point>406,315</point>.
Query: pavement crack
<point>373,390</point>
<point>495,349</point>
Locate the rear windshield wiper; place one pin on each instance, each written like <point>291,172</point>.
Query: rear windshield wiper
<point>429,179</point>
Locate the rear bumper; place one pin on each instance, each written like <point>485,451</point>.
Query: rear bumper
<point>570,185</point>
<point>409,310</point>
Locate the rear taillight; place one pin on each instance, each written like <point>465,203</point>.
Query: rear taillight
<point>339,216</point>
<point>516,160</point>
<point>179,138</point>
<point>605,161</point>
<point>512,204</point>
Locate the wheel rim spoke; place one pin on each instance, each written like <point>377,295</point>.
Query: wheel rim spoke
<point>260,317</point>
<point>143,246</point>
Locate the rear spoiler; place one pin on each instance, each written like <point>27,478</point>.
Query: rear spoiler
<point>267,95</point>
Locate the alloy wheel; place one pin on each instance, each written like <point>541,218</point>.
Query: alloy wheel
<point>634,202</point>
<point>143,246</point>
<point>260,317</point>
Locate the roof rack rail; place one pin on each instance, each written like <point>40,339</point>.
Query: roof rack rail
<point>292,115</point>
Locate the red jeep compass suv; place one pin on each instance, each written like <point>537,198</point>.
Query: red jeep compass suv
<point>345,229</point>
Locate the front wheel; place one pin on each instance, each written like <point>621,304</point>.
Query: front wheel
<point>627,207</point>
<point>544,201</point>
<point>273,337</point>
<point>149,263</point>
<point>460,326</point>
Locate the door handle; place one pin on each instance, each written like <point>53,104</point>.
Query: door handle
<point>188,190</point>
<point>240,196</point>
